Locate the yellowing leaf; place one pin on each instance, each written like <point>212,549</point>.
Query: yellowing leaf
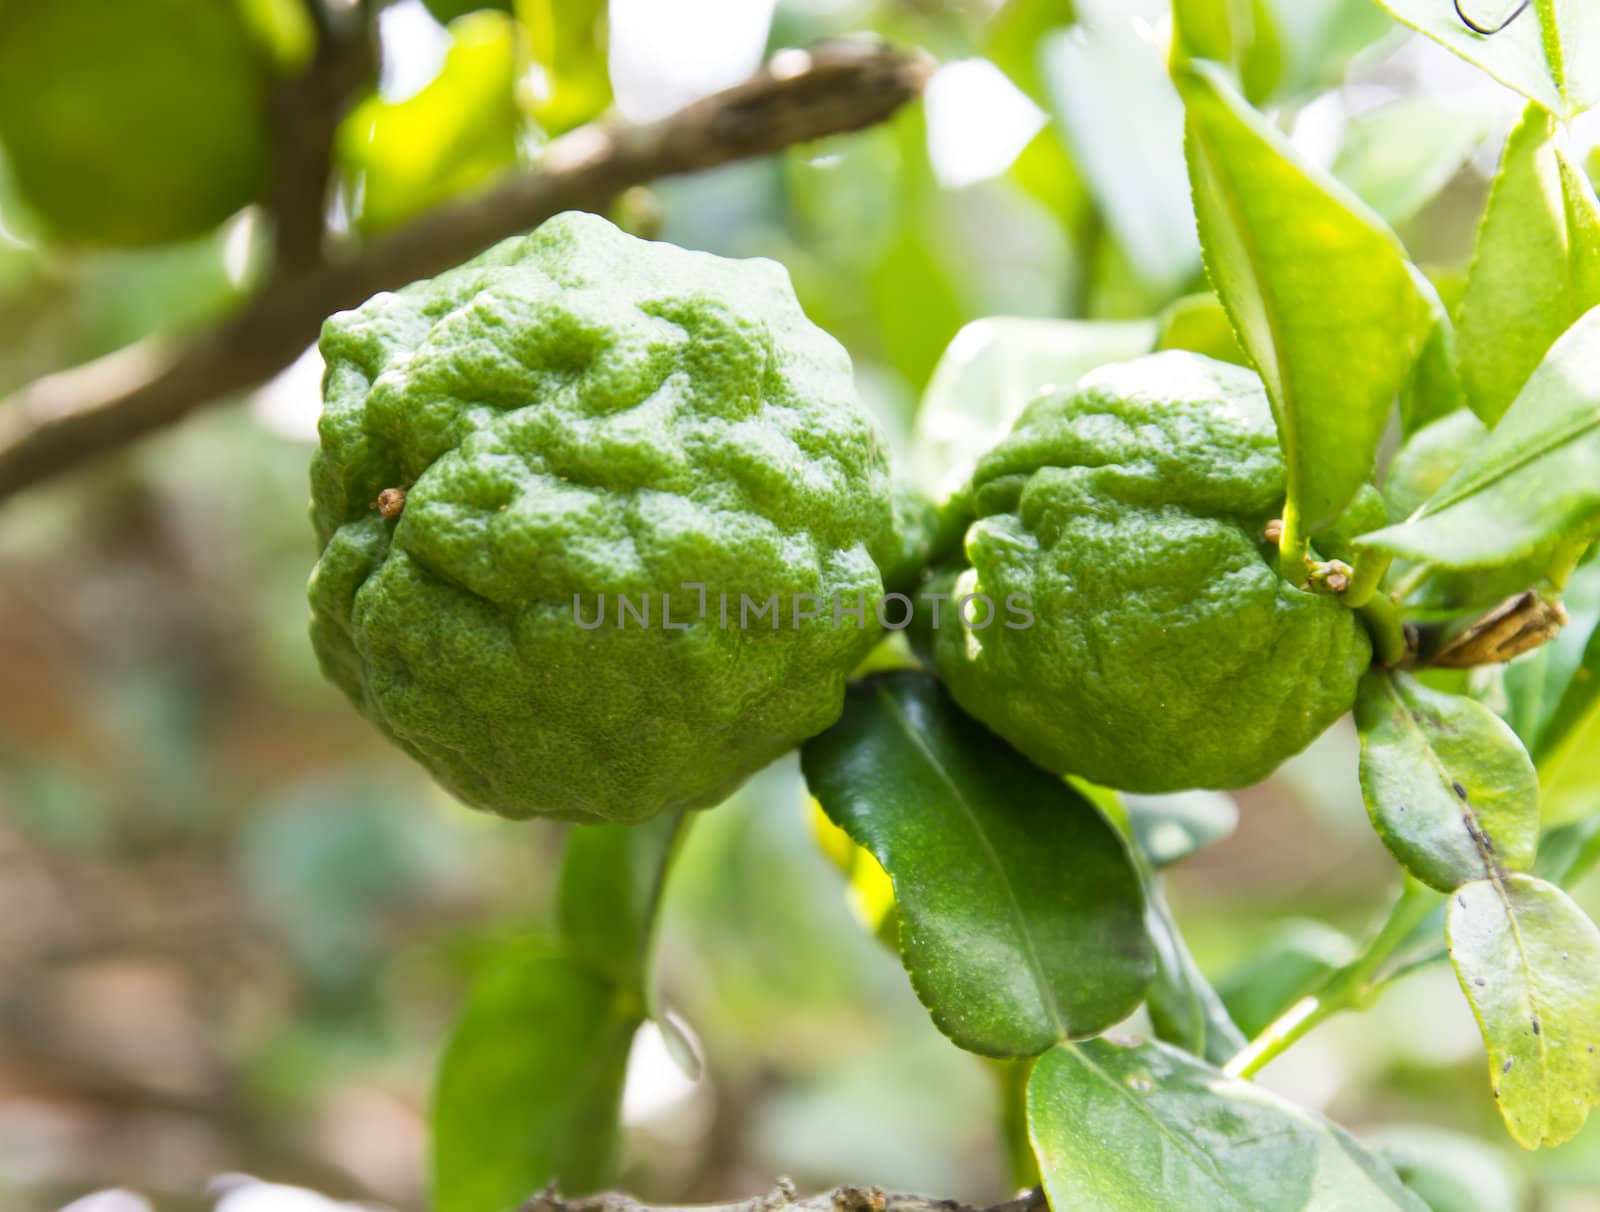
<point>406,157</point>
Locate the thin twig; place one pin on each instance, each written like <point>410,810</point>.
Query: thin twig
<point>840,1199</point>
<point>65,420</point>
<point>306,111</point>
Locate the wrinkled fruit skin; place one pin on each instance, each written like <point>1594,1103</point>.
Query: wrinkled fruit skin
<point>1167,653</point>
<point>133,122</point>
<point>578,412</point>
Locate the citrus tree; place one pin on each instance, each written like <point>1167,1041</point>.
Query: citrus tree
<point>604,529</point>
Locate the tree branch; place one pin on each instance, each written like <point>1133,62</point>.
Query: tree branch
<point>65,420</point>
<point>785,1199</point>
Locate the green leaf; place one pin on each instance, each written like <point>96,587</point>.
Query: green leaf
<point>1107,87</point>
<point>1318,38</point>
<point>1534,480</point>
<point>1241,33</point>
<point>1434,388</point>
<point>991,371</point>
<point>1551,54</point>
<point>1200,324</point>
<point>1021,914</point>
<point>1451,1171</point>
<point>406,157</point>
<point>1151,1129</point>
<point>568,40</point>
<point>1550,692</point>
<point>530,1087</point>
<point>1184,1009</point>
<point>1529,962</point>
<point>1536,268</point>
<point>1297,958</point>
<point>1448,785</point>
<point>1319,291</point>
<point>1400,156</point>
<point>1170,828</point>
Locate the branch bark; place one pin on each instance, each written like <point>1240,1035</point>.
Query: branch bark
<point>66,420</point>
<point>785,1199</point>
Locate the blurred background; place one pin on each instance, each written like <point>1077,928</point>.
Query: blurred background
<point>235,924</point>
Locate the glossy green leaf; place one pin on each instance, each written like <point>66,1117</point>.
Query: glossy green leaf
<point>1569,775</point>
<point>1536,268</point>
<point>991,371</point>
<point>1448,785</point>
<point>1170,828</point>
<point>1529,962</point>
<point>1318,289</point>
<point>1550,54</point>
<point>1533,481</point>
<point>1151,1129</point>
<point>1021,913</point>
<point>568,41</point>
<point>1200,324</point>
<point>1400,156</point>
<point>1107,86</point>
<point>406,157</point>
<point>530,1086</point>
<point>1184,1009</point>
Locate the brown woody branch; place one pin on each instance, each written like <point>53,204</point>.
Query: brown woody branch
<point>65,420</point>
<point>785,1199</point>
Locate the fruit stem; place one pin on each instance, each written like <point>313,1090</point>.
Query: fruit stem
<point>1292,547</point>
<point>1370,567</point>
<point>1351,987</point>
<point>1388,633</point>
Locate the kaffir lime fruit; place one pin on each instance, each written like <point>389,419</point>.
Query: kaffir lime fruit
<point>573,416</point>
<point>133,122</point>
<point>1166,651</point>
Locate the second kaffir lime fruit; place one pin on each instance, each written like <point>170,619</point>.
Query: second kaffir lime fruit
<point>133,122</point>
<point>1165,652</point>
<point>573,416</point>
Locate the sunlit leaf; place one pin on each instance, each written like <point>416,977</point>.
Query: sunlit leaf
<point>406,157</point>
<point>1536,268</point>
<point>1241,33</point>
<point>1319,292</point>
<point>1170,828</point>
<point>1529,962</point>
<point>530,1086</point>
<point>1106,84</point>
<point>1550,692</point>
<point>991,371</point>
<point>1021,915</point>
<point>1434,388</point>
<point>1534,480</point>
<point>1550,54</point>
<point>1152,1129</point>
<point>1448,785</point>
<point>568,42</point>
<point>1400,156</point>
<point>1200,324</point>
<point>1318,38</point>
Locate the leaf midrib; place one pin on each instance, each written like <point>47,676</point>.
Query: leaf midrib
<point>1035,963</point>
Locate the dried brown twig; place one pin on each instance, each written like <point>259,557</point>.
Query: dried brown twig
<point>65,420</point>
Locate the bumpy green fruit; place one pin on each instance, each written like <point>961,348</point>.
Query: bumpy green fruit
<point>1165,652</point>
<point>133,121</point>
<point>578,413</point>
